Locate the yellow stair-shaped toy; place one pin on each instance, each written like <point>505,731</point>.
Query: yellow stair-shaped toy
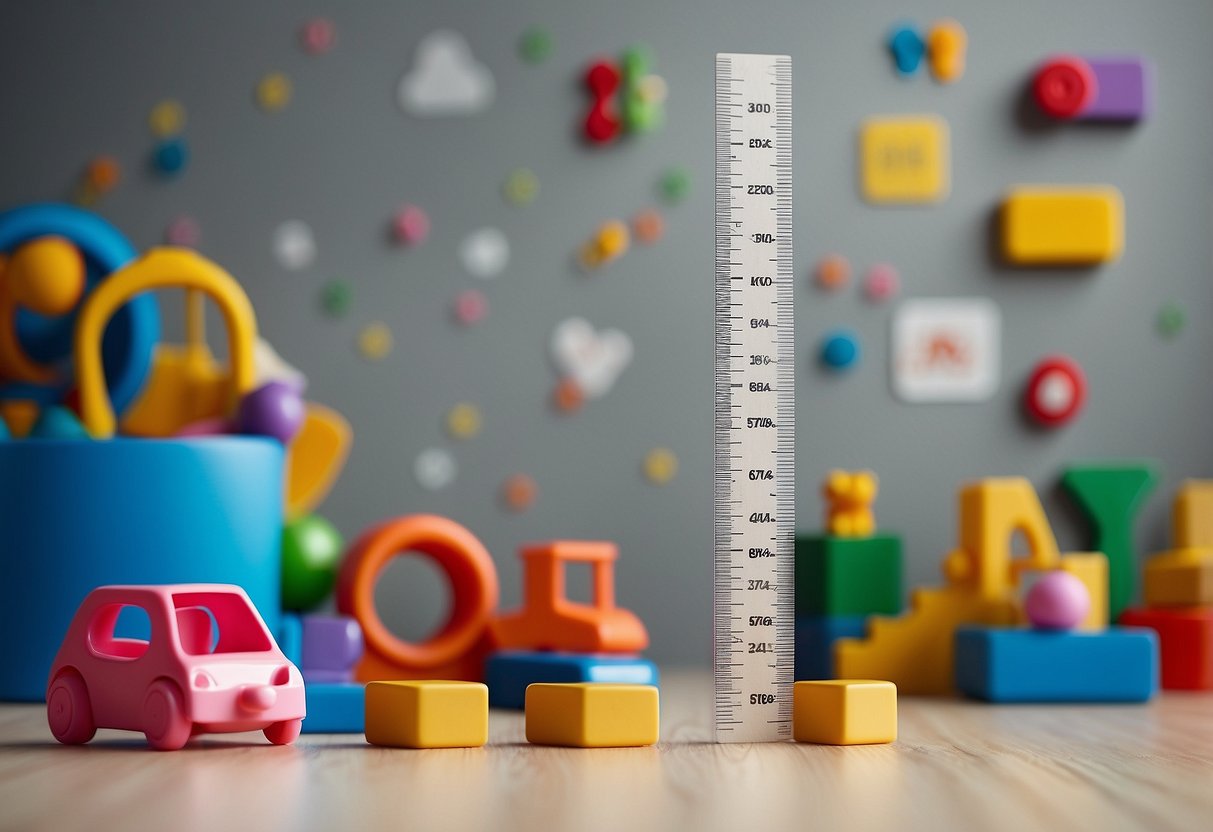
<point>915,651</point>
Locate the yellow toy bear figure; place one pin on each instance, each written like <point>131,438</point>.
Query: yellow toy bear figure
<point>849,496</point>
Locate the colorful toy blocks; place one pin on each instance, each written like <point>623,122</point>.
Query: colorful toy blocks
<point>905,159</point>
<point>1192,514</point>
<point>332,646</point>
<point>548,620</point>
<point>848,575</point>
<point>335,708</point>
<point>844,712</point>
<point>1111,495</point>
<point>1062,226</point>
<point>427,714</point>
<point>915,651</point>
<point>1116,665</point>
<point>592,715</point>
<point>510,672</point>
<point>815,637</point>
<point>1179,578</point>
<point>1185,637</point>
<point>1095,89</point>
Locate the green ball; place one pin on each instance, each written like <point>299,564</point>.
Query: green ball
<point>311,552</point>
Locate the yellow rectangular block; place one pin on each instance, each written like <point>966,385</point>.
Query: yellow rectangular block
<point>1179,578</point>
<point>1192,514</point>
<point>1062,226</point>
<point>592,714</point>
<point>844,712</point>
<point>905,159</point>
<point>1092,569</point>
<point>427,714</point>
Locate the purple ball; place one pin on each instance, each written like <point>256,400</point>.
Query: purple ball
<point>1058,601</point>
<point>274,409</point>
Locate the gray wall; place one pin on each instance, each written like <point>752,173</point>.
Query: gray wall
<point>79,79</point>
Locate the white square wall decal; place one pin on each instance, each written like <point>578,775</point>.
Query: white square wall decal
<point>946,350</point>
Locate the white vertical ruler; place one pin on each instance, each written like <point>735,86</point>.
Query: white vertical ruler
<point>754,518</point>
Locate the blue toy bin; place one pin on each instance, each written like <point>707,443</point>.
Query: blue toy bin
<point>78,514</point>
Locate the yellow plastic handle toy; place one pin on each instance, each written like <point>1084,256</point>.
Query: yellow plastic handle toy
<point>159,268</point>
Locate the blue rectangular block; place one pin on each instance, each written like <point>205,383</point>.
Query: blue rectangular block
<point>815,637</point>
<point>509,672</point>
<point>1117,665</point>
<point>335,709</point>
<point>290,637</point>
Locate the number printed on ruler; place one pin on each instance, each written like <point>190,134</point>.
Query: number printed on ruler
<point>754,401</point>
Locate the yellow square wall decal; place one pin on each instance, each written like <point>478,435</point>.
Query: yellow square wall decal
<point>905,159</point>
<point>844,712</point>
<point>427,714</point>
<point>592,714</point>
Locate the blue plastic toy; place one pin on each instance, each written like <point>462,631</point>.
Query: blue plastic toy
<point>335,708</point>
<point>1115,665</point>
<point>79,514</point>
<point>509,672</point>
<point>132,335</point>
<point>290,637</point>
<point>56,422</point>
<point>840,350</point>
<point>908,48</point>
<point>171,156</point>
<point>815,637</point>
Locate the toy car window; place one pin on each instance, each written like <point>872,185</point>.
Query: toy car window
<point>218,622</point>
<point>112,618</point>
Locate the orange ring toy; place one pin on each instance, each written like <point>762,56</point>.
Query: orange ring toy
<point>474,591</point>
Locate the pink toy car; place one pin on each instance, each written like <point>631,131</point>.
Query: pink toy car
<point>211,666</point>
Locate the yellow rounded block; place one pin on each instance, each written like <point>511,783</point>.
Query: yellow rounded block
<point>844,712</point>
<point>905,159</point>
<point>592,715</point>
<point>1180,578</point>
<point>1076,226</point>
<point>427,714</point>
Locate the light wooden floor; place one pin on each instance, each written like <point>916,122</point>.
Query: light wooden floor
<point>957,765</point>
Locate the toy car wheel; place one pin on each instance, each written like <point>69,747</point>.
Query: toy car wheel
<point>68,710</point>
<point>285,732</point>
<point>164,721</point>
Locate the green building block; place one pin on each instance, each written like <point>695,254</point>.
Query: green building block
<point>1110,495</point>
<point>848,575</point>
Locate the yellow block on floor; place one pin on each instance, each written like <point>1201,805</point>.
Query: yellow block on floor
<point>427,714</point>
<point>1192,514</point>
<point>905,159</point>
<point>1179,578</point>
<point>844,712</point>
<point>1092,569</point>
<point>592,714</point>
<point>1062,226</point>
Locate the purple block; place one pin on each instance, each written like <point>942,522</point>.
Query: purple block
<point>1125,89</point>
<point>328,677</point>
<point>331,644</point>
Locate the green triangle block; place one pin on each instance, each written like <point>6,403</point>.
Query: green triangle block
<point>1110,495</point>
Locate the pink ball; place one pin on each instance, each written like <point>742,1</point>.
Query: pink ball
<point>470,307</point>
<point>1058,601</point>
<point>411,225</point>
<point>882,282</point>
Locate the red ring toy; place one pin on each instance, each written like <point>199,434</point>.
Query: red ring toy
<point>457,552</point>
<point>1064,87</point>
<point>1055,373</point>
